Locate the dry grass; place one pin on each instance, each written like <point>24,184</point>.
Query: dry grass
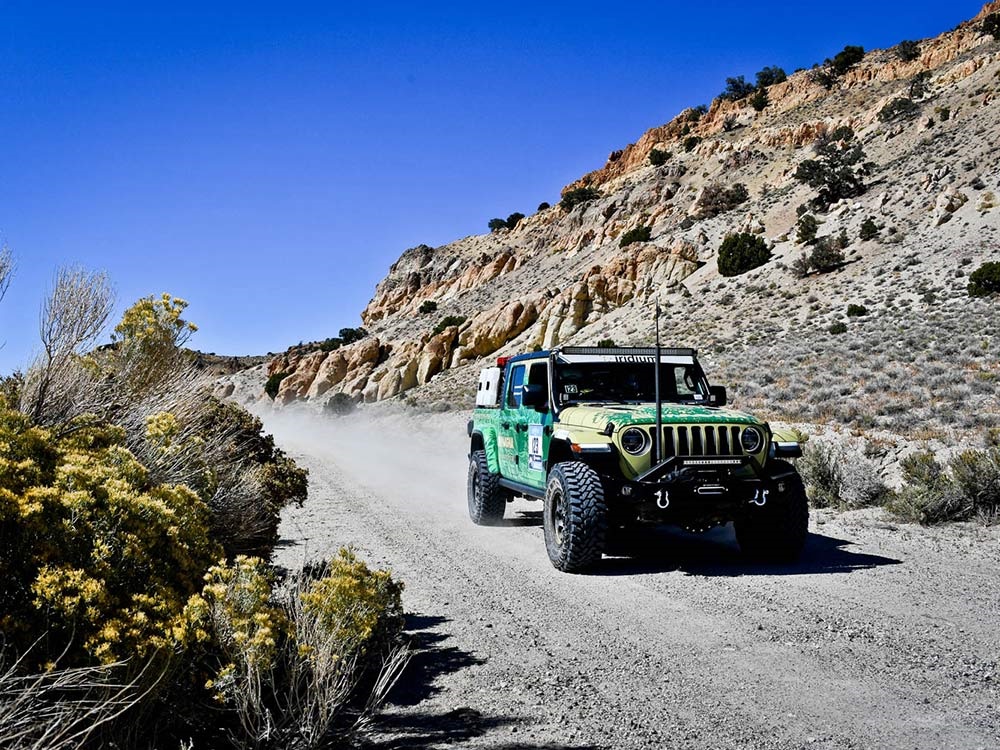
<point>64,708</point>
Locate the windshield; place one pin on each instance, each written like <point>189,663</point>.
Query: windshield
<point>628,382</point>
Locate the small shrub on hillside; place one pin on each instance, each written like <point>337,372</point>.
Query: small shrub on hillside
<point>350,335</point>
<point>497,224</point>
<point>826,255</point>
<point>770,75</point>
<point>968,488</point>
<point>428,306</point>
<point>576,196</point>
<point>991,25</point>
<point>606,342</point>
<point>920,85</point>
<point>696,113</point>
<point>823,75</point>
<point>717,198</point>
<point>658,158</point>
<point>690,142</point>
<point>339,405</point>
<point>448,321</point>
<point>514,219</point>
<point>800,266</point>
<point>742,252</point>
<point>840,476</point>
<point>908,50</point>
<point>838,170</point>
<point>846,59</point>
<point>543,206</point>
<point>869,229</point>
<point>636,234</point>
<point>273,384</point>
<point>838,328</point>
<point>806,229</point>
<point>899,108</point>
<point>985,280</point>
<point>759,100</point>
<point>855,310</point>
<point>736,88</point>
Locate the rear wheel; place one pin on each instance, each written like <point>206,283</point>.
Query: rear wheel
<point>486,498</point>
<point>777,531</point>
<point>575,517</point>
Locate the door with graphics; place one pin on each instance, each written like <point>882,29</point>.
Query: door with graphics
<point>507,453</point>
<point>532,431</point>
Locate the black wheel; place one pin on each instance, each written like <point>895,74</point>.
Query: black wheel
<point>777,531</point>
<point>575,517</point>
<point>486,498</point>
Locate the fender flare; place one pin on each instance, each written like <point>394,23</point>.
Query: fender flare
<point>486,441</point>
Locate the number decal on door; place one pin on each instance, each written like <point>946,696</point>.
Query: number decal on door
<point>535,458</point>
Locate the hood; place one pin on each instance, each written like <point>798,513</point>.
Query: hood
<point>597,417</point>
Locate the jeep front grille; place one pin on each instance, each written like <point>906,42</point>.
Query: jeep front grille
<point>701,440</point>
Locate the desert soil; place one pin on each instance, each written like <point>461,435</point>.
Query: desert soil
<point>884,635</point>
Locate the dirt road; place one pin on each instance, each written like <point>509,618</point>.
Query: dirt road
<point>883,636</point>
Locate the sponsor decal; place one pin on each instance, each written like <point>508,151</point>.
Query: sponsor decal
<point>507,443</point>
<point>535,460</point>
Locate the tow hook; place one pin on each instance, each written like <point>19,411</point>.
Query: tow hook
<point>663,499</point>
<point>760,497</point>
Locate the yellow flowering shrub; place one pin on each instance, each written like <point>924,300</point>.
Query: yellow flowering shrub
<point>94,555</point>
<point>360,607</point>
<point>247,627</point>
<point>148,341</point>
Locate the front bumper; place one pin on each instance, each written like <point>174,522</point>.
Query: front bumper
<point>698,491</point>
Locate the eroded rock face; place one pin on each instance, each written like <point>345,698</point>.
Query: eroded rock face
<point>425,274</point>
<point>639,270</point>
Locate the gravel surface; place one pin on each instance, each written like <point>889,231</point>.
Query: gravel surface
<point>882,636</point>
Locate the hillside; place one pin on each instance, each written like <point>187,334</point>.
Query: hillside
<point>921,361</point>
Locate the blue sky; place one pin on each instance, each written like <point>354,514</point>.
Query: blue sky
<point>268,162</point>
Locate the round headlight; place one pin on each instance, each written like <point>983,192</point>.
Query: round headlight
<point>635,441</point>
<point>752,439</point>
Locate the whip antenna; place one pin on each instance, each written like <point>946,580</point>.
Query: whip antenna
<point>658,439</point>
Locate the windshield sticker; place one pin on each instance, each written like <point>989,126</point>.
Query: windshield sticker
<point>535,462</point>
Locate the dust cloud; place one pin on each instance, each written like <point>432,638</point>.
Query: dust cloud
<point>422,457</point>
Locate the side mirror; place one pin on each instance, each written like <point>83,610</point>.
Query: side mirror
<point>535,397</point>
<point>717,395</point>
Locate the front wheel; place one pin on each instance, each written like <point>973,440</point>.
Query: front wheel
<point>486,498</point>
<point>776,532</point>
<point>575,517</point>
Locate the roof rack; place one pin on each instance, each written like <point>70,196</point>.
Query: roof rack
<point>639,351</point>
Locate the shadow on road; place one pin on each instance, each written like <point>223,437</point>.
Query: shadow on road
<point>431,660</point>
<point>401,727</point>
<point>716,553</point>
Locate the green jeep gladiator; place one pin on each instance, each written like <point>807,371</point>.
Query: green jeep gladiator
<point>607,439</point>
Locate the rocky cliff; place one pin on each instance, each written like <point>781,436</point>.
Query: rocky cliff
<point>563,275</point>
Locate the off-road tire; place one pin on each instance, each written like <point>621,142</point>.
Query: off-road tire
<point>575,518</point>
<point>487,499</point>
<point>776,532</point>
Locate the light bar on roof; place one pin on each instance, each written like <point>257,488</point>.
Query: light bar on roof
<point>624,354</point>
